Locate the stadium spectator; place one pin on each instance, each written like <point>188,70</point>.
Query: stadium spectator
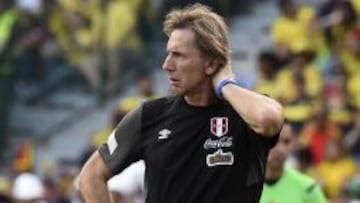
<point>27,188</point>
<point>267,69</point>
<point>285,184</point>
<point>336,169</point>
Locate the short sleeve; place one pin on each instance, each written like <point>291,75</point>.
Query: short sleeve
<point>267,142</point>
<point>315,194</point>
<point>123,146</point>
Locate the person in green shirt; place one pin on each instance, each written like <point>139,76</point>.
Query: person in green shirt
<point>284,184</point>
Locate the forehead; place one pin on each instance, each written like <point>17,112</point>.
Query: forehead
<point>181,38</point>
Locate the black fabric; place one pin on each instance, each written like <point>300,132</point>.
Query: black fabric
<point>127,141</point>
<point>186,162</point>
<point>4,199</point>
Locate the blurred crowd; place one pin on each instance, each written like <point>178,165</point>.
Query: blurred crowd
<point>312,68</point>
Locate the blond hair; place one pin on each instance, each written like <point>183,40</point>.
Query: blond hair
<point>211,31</point>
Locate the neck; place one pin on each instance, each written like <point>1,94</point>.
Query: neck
<point>204,97</point>
<point>273,172</point>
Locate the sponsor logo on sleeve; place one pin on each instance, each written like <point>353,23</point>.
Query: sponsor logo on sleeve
<point>112,143</point>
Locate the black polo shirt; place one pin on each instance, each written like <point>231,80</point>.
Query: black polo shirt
<point>192,154</point>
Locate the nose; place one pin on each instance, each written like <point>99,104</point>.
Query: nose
<point>168,65</point>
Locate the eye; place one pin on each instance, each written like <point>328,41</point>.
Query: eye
<point>176,54</point>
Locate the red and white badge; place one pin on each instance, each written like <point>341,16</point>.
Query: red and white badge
<point>219,126</point>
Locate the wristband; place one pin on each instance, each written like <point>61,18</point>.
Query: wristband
<point>224,82</point>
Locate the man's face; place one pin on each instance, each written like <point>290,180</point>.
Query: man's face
<point>185,64</point>
<point>283,148</point>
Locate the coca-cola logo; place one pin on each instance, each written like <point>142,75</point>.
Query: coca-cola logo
<point>219,143</point>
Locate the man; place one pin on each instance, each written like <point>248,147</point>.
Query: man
<point>210,142</point>
<point>283,184</point>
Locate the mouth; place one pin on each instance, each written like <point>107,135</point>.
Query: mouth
<point>173,81</point>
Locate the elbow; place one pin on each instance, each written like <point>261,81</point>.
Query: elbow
<point>94,171</point>
<point>270,121</point>
<point>82,180</point>
<point>84,183</point>
<point>88,176</point>
<point>86,180</point>
<point>93,176</point>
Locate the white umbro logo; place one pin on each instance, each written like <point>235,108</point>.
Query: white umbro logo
<point>164,134</point>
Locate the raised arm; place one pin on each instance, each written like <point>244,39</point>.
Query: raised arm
<point>93,180</point>
<point>263,114</point>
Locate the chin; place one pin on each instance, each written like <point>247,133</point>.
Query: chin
<point>276,163</point>
<point>177,90</point>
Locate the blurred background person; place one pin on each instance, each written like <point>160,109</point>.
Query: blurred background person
<point>317,132</point>
<point>5,189</point>
<point>335,170</point>
<point>285,184</point>
<point>9,39</point>
<point>292,24</point>
<point>27,188</point>
<point>353,190</point>
<point>300,66</point>
<point>351,61</point>
<point>267,69</point>
<point>53,193</point>
<point>352,139</point>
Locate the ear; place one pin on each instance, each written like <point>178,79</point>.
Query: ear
<point>211,66</point>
